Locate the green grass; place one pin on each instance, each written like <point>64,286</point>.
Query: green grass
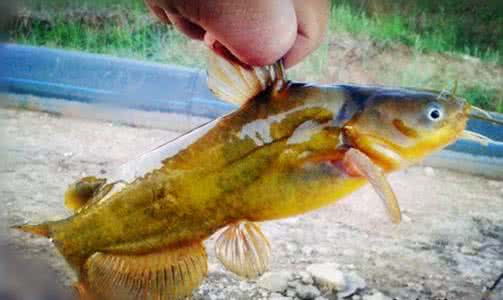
<point>125,29</point>
<point>442,33</point>
<point>438,32</point>
<point>484,97</point>
<point>132,40</point>
<point>59,5</point>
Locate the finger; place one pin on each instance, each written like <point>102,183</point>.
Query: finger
<point>312,19</point>
<point>157,11</point>
<point>192,30</point>
<point>257,32</point>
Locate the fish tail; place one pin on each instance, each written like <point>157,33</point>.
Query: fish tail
<point>40,229</point>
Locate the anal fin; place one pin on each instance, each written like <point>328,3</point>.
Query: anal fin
<point>169,274</point>
<point>244,250</point>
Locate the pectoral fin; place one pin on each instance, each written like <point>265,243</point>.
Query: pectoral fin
<point>356,160</point>
<point>82,191</point>
<point>235,83</point>
<point>244,250</point>
<point>168,274</point>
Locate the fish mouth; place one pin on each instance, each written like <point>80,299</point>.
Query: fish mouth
<point>468,135</point>
<point>478,113</point>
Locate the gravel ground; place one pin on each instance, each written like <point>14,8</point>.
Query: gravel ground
<point>449,245</point>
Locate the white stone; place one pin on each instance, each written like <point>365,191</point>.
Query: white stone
<point>476,245</point>
<point>294,284</point>
<point>376,296</point>
<point>292,248</point>
<point>429,171</point>
<point>274,281</point>
<point>327,275</point>
<point>289,221</point>
<point>276,296</point>
<point>306,278</point>
<point>244,286</point>
<point>307,251</point>
<point>212,268</point>
<point>307,292</point>
<point>466,250</point>
<point>291,293</point>
<point>353,283</point>
<point>493,183</point>
<point>406,218</point>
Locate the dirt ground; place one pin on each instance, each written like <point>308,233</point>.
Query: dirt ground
<point>449,245</point>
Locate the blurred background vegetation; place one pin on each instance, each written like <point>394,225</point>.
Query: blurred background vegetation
<point>427,43</point>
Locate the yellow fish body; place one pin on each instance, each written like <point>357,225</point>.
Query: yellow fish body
<point>289,148</point>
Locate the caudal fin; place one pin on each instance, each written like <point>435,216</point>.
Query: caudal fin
<point>40,229</point>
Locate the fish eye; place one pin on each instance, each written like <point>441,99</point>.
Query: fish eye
<point>434,113</point>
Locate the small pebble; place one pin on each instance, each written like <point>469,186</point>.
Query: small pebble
<point>307,251</point>
<point>476,245</point>
<point>291,293</point>
<point>429,171</point>
<point>275,281</point>
<point>244,286</point>
<point>276,296</point>
<point>294,284</point>
<point>306,278</point>
<point>353,283</point>
<point>292,248</point>
<point>494,183</point>
<point>327,275</point>
<point>212,268</point>
<point>406,218</point>
<point>467,250</point>
<point>376,296</point>
<point>307,292</point>
<point>291,220</point>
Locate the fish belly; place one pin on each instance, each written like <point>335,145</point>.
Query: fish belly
<point>276,198</point>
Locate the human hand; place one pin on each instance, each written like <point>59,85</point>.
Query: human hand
<point>257,32</point>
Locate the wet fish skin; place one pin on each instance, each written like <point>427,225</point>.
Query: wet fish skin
<point>282,153</point>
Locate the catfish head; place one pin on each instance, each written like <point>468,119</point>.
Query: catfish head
<point>398,127</point>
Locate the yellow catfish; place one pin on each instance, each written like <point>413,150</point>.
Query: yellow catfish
<point>290,148</point>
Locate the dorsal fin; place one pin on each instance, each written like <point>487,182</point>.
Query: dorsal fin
<point>235,83</point>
